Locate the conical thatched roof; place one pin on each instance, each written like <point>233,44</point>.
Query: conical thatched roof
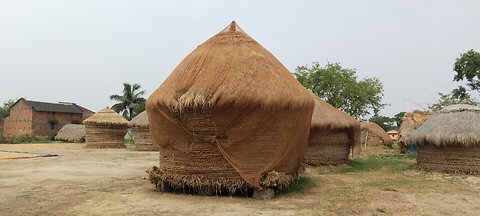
<point>106,116</point>
<point>231,68</point>
<point>327,117</point>
<point>372,127</point>
<point>71,133</point>
<point>141,120</point>
<point>454,125</point>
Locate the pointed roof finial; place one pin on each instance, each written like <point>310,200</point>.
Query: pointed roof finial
<point>232,27</point>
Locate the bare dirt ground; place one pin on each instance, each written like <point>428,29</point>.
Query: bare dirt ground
<point>109,182</point>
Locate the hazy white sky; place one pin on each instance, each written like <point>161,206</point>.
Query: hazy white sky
<point>82,51</point>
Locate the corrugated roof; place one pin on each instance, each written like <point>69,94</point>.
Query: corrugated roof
<point>54,107</point>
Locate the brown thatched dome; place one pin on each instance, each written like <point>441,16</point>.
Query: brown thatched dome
<point>374,135</point>
<point>105,129</point>
<point>450,140</point>
<point>71,133</point>
<point>230,116</point>
<point>410,122</point>
<point>141,133</point>
<point>332,134</point>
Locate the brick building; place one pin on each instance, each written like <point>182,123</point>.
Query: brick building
<point>42,119</point>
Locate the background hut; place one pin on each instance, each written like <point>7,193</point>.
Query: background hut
<point>229,117</point>
<point>105,129</point>
<point>450,140</point>
<point>141,133</point>
<point>373,135</point>
<point>71,133</point>
<point>410,122</point>
<point>332,134</point>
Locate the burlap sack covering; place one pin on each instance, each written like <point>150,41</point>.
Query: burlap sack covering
<point>233,98</point>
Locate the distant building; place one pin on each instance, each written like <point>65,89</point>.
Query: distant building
<point>1,127</point>
<point>393,134</point>
<point>42,119</point>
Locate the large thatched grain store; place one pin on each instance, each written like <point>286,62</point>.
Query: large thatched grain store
<point>105,129</point>
<point>332,134</point>
<point>450,140</point>
<point>230,117</point>
<point>373,135</point>
<point>71,133</point>
<point>410,122</point>
<point>141,133</point>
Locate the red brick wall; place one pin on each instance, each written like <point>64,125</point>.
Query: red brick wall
<point>20,120</point>
<point>47,124</point>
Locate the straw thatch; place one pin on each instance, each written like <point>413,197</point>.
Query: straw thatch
<point>141,133</point>
<point>332,134</point>
<point>410,122</point>
<point>450,140</point>
<point>230,117</point>
<point>374,135</point>
<point>71,133</point>
<point>105,129</point>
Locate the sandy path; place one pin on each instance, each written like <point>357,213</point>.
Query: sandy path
<point>109,182</point>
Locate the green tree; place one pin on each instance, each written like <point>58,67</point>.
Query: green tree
<point>452,98</point>
<point>384,122</point>
<point>398,119</point>
<point>467,67</point>
<point>131,102</point>
<point>341,88</point>
<point>5,109</point>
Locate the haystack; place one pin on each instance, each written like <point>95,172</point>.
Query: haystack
<point>410,122</point>
<point>71,133</point>
<point>450,140</point>
<point>229,118</point>
<point>374,135</point>
<point>105,129</point>
<point>332,134</point>
<point>141,133</point>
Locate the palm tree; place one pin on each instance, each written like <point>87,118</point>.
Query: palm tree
<point>130,101</point>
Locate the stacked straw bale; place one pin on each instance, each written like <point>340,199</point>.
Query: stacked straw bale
<point>141,133</point>
<point>333,134</point>
<point>105,129</point>
<point>450,140</point>
<point>71,133</point>
<point>230,118</point>
<point>410,122</point>
<point>374,135</point>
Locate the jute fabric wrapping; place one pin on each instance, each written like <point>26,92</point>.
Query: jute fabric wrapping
<point>333,134</point>
<point>143,139</point>
<point>230,110</point>
<point>105,136</point>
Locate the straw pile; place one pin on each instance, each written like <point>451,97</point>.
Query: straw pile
<point>141,133</point>
<point>450,140</point>
<point>105,129</point>
<point>374,135</point>
<point>71,133</point>
<point>410,122</point>
<point>229,118</point>
<point>332,134</point>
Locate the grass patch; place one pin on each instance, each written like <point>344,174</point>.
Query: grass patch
<point>302,184</point>
<point>129,142</point>
<point>392,162</point>
<point>381,210</point>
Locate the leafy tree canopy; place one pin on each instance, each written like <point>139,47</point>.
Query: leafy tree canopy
<point>384,122</point>
<point>5,109</point>
<point>455,97</point>
<point>467,67</point>
<point>130,103</point>
<point>341,88</point>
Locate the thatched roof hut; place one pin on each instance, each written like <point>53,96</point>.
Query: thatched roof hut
<point>450,140</point>
<point>332,134</point>
<point>71,133</point>
<point>229,117</point>
<point>410,122</point>
<point>374,135</point>
<point>141,133</point>
<point>105,129</point>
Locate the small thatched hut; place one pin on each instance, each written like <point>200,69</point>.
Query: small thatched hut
<point>332,134</point>
<point>374,135</point>
<point>450,140</point>
<point>105,129</point>
<point>141,133</point>
<point>229,118</point>
<point>410,122</point>
<point>71,133</point>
